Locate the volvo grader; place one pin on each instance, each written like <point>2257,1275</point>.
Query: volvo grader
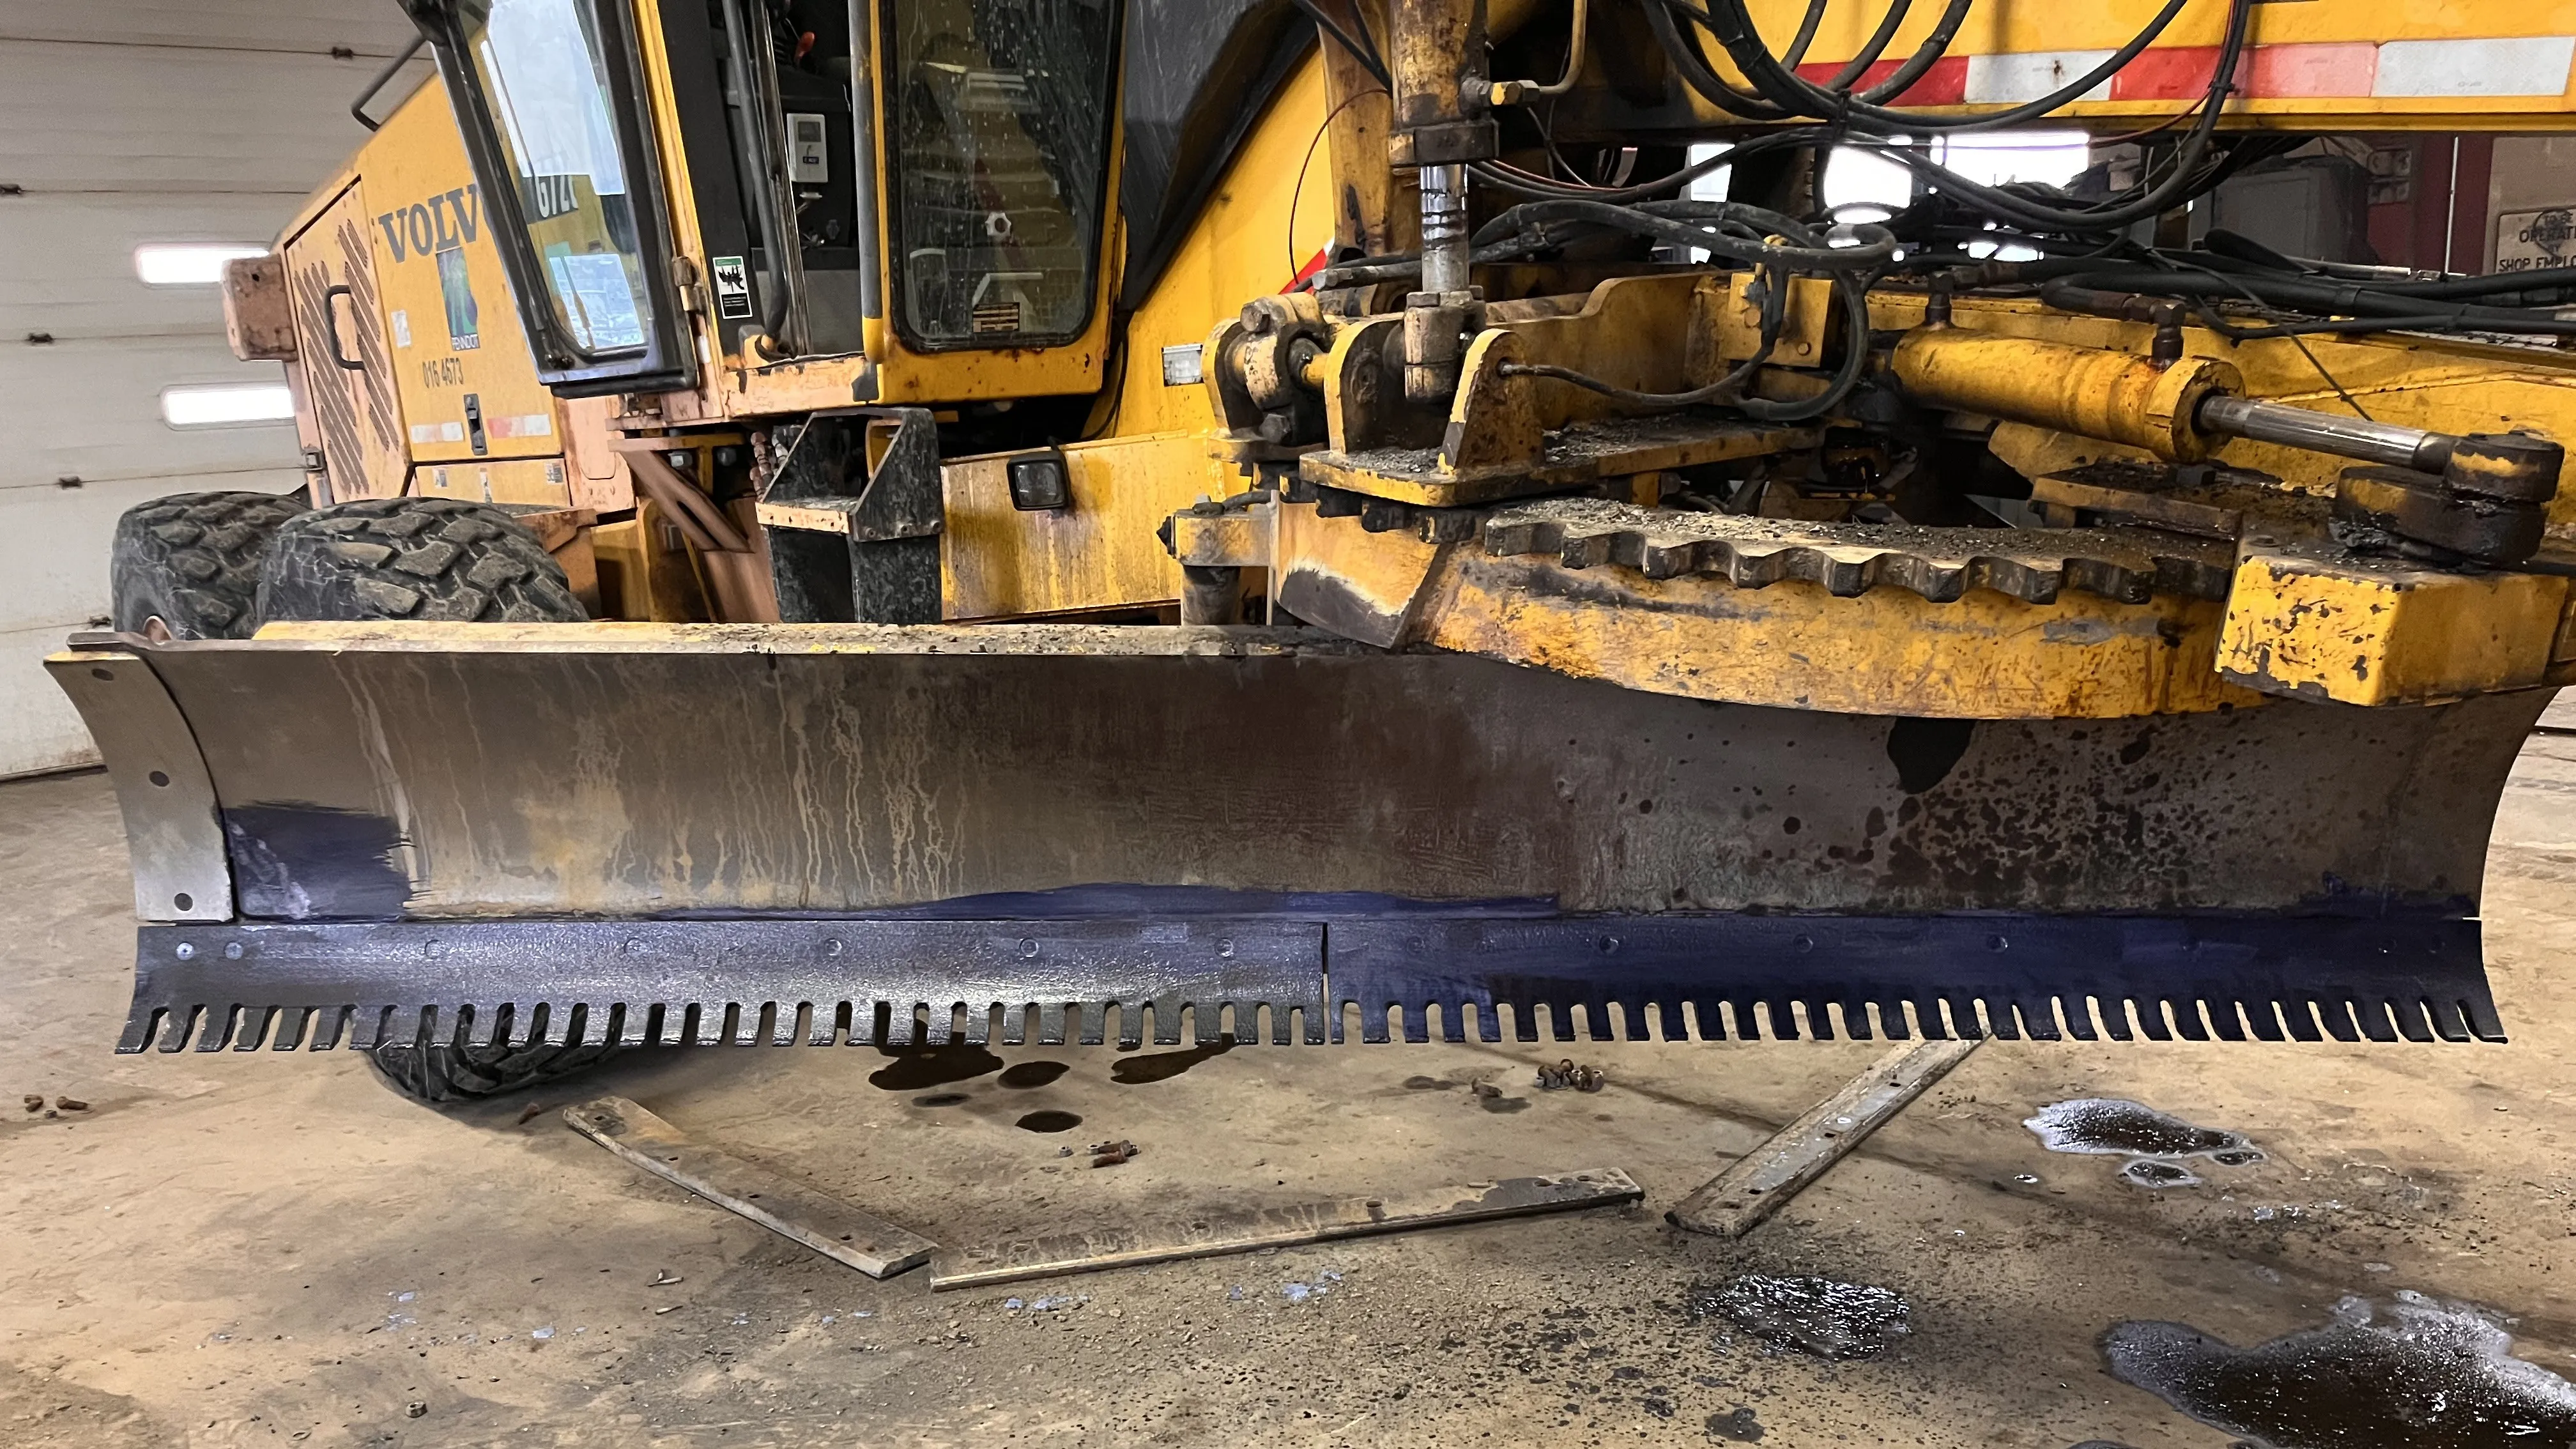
<point>908,521</point>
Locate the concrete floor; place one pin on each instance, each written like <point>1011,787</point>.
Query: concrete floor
<point>272,1249</point>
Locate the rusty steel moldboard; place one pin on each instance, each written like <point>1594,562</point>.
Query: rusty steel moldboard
<point>1709,975</point>
<point>630,771</point>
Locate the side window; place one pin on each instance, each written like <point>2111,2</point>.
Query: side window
<point>547,95</point>
<point>542,70</point>
<point>999,118</point>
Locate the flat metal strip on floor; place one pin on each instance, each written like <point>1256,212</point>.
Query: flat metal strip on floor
<point>818,1220</point>
<point>1754,1186</point>
<point>1211,1235</point>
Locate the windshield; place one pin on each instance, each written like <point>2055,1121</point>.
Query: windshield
<point>1001,138</point>
<point>540,63</point>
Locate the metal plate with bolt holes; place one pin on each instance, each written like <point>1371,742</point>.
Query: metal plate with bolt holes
<point>1711,975</point>
<point>712,983</point>
<point>819,1220</point>
<point>181,871</point>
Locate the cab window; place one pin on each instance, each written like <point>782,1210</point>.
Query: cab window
<point>542,69</point>
<point>999,121</point>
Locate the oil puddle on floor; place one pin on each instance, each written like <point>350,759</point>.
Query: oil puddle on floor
<point>2157,1144</point>
<point>1143,1067</point>
<point>1048,1122</point>
<point>916,1067</point>
<point>2412,1373</point>
<point>1822,1316</point>
<point>1033,1074</point>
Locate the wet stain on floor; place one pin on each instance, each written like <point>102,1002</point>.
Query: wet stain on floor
<point>939,1099</point>
<point>2153,1172</point>
<point>2156,1143</point>
<point>1739,1426</point>
<point>1163,1066</point>
<point>916,1067</point>
<point>1033,1074</point>
<point>2116,1126</point>
<point>1822,1316</point>
<point>2412,1373</point>
<point>1048,1122</point>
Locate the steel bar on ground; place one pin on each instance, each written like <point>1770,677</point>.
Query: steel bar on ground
<point>1315,1222</point>
<point>820,1221</point>
<point>1753,1188</point>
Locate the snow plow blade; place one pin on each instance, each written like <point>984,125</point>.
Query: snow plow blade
<point>346,834</point>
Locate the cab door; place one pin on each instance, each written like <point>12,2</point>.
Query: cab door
<point>347,369</point>
<point>550,101</point>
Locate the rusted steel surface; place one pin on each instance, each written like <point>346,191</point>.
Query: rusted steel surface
<point>661,770</point>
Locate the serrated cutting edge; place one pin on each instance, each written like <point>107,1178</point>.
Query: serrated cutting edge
<point>1679,976</point>
<point>731,982</point>
<point>2197,978</point>
<point>1848,559</point>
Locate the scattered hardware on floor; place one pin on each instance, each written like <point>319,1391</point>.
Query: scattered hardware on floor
<point>1566,1075</point>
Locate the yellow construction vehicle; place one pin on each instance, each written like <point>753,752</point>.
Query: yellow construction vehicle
<point>1261,514</point>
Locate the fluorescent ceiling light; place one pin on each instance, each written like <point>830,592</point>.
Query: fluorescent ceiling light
<point>226,404</point>
<point>188,264</point>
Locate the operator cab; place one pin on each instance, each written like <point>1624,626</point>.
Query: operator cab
<point>623,202</point>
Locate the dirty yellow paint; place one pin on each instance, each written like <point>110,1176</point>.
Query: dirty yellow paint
<point>1791,645</point>
<point>645,570</point>
<point>451,326</point>
<point>1102,552</point>
<point>502,480</point>
<point>1795,646</point>
<point>2317,626</point>
<point>2450,385</point>
<point>1257,228</point>
<point>2093,391</point>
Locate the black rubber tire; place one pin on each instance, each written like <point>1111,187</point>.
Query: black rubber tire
<point>449,1073</point>
<point>413,558</point>
<point>192,561</point>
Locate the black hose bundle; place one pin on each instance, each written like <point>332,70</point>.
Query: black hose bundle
<point>2234,287</point>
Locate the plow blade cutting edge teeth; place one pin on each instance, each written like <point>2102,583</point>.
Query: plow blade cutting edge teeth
<point>1048,982</point>
<point>351,835</point>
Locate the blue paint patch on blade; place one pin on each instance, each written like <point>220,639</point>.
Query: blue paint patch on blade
<point>296,862</point>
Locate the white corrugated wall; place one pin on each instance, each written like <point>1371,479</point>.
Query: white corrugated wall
<point>124,122</point>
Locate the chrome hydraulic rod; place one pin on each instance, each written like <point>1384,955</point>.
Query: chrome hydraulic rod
<point>2297,427</point>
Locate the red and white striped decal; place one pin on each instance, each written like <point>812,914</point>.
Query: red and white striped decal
<point>2531,65</point>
